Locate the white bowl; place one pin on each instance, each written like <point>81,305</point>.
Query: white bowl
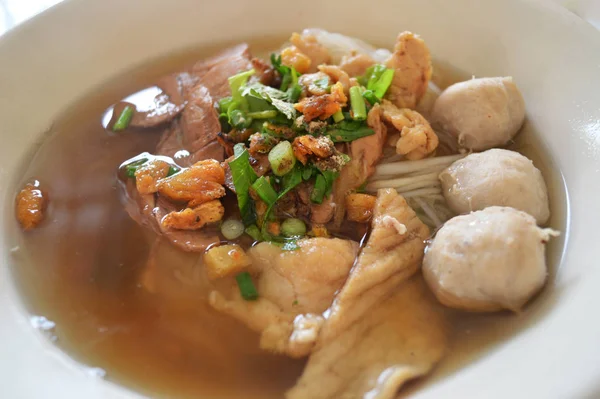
<point>61,55</point>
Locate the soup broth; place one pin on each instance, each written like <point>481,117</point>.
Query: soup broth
<point>84,268</point>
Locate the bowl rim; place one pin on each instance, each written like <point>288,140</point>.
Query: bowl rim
<point>579,373</point>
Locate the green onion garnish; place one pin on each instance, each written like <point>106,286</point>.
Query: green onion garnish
<point>282,158</point>
<point>254,232</point>
<point>371,97</point>
<point>247,288</point>
<point>124,119</point>
<point>243,176</point>
<point>319,189</point>
<point>381,85</point>
<point>338,116</point>
<point>264,190</point>
<point>293,228</point>
<point>133,167</point>
<point>359,110</point>
<point>263,114</point>
<point>172,170</point>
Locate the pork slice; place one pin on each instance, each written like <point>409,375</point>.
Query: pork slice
<point>213,73</point>
<point>167,103</point>
<point>177,85</point>
<point>383,327</point>
<point>295,287</point>
<point>411,61</point>
<point>148,210</point>
<point>195,135</point>
<point>364,153</point>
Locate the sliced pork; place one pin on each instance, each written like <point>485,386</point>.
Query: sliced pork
<point>295,288</point>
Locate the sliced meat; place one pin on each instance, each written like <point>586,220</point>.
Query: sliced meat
<point>164,111</point>
<point>214,72</point>
<point>322,213</point>
<point>400,339</point>
<point>177,86</point>
<point>260,163</point>
<point>289,283</point>
<point>412,63</point>
<point>364,153</point>
<point>197,131</point>
<point>149,210</point>
<point>383,327</point>
<point>166,105</point>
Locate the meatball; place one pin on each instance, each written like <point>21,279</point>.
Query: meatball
<point>487,260</point>
<point>496,177</point>
<point>481,113</point>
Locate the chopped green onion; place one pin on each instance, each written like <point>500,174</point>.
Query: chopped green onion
<point>319,189</point>
<point>378,79</point>
<point>282,158</point>
<point>134,166</point>
<point>243,177</point>
<point>382,84</point>
<point>338,116</point>
<point>172,170</point>
<point>264,190</point>
<point>254,232</point>
<point>371,97</point>
<point>293,228</point>
<point>263,114</point>
<point>232,229</point>
<point>246,286</point>
<point>294,93</point>
<point>359,110</point>
<point>307,172</point>
<point>124,119</point>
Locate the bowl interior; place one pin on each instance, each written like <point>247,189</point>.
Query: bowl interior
<point>561,90</point>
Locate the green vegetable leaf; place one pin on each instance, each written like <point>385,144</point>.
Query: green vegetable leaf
<point>346,131</point>
<point>319,189</point>
<point>285,108</point>
<point>264,190</point>
<point>289,79</point>
<point>288,182</point>
<point>236,82</point>
<point>377,79</point>
<point>243,177</point>
<point>273,96</point>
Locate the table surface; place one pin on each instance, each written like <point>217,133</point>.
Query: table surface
<point>13,12</point>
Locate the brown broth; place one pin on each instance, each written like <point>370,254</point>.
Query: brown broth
<point>82,268</point>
